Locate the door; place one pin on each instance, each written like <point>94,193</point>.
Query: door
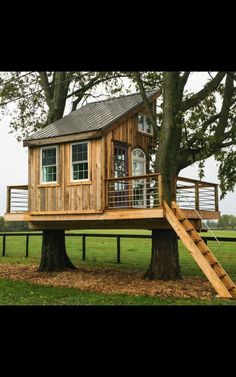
<point>139,185</point>
<point>121,190</point>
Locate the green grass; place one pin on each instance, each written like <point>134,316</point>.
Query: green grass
<point>101,252</point>
<point>24,293</point>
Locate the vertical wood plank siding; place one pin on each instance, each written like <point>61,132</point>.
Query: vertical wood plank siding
<point>65,196</point>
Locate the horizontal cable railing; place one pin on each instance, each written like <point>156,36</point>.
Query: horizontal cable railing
<point>17,199</point>
<point>133,192</point>
<point>197,195</point>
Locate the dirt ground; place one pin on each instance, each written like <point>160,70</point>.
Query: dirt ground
<point>110,280</point>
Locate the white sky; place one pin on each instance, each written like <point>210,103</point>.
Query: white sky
<point>14,160</point>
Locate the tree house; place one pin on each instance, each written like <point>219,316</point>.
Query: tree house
<point>91,169</point>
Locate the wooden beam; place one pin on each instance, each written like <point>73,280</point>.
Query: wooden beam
<point>63,139</point>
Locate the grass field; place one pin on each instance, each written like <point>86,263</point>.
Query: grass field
<point>101,252</point>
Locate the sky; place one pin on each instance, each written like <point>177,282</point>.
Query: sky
<point>14,160</point>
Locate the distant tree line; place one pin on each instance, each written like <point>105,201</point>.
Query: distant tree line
<point>9,226</point>
<point>225,221</point>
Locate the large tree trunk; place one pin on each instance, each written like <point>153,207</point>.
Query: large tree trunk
<point>164,263</point>
<point>54,257</point>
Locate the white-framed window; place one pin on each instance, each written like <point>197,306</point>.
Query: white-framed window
<point>139,185</point>
<point>79,161</point>
<point>145,124</point>
<point>49,164</point>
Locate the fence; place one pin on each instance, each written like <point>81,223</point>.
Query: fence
<point>86,235</point>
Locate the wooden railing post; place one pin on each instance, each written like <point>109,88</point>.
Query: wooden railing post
<point>160,189</point>
<point>8,206</point>
<point>196,196</point>
<point>106,194</point>
<point>216,198</point>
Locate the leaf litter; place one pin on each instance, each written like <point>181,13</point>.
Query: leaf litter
<point>110,280</point>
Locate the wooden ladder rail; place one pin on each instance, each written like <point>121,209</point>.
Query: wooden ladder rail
<point>201,253</point>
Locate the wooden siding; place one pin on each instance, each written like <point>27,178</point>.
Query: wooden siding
<point>126,132</point>
<point>66,195</point>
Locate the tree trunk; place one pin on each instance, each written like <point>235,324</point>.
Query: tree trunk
<point>164,263</point>
<point>54,257</point>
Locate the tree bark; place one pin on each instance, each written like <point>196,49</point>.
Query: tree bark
<point>164,263</point>
<point>54,257</point>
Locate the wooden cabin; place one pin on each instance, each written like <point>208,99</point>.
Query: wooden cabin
<point>91,169</point>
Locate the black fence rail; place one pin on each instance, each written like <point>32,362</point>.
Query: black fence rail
<point>96,235</point>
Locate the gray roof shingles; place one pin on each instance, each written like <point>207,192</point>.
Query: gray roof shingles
<point>91,117</point>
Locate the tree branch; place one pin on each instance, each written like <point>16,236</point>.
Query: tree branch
<point>145,99</point>
<point>182,82</point>
<point>224,114</point>
<point>208,88</point>
<point>46,86</point>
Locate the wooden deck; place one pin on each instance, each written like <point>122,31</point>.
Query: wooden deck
<point>130,202</point>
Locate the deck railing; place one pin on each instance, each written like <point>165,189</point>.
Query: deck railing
<point>143,191</point>
<point>198,195</point>
<point>17,199</point>
<point>136,192</point>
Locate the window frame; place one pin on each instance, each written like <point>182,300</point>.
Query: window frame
<point>139,159</point>
<point>88,161</point>
<point>41,165</point>
<point>145,124</point>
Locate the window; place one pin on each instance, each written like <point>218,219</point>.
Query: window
<point>139,185</point>
<point>145,124</point>
<point>49,164</point>
<point>139,162</point>
<point>79,160</point>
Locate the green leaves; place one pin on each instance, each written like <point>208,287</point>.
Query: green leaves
<point>227,170</point>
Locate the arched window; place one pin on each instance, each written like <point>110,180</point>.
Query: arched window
<point>139,185</point>
<point>138,162</point>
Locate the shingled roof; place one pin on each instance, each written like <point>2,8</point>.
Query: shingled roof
<point>93,116</point>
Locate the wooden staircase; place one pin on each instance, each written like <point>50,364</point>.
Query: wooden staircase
<point>201,253</point>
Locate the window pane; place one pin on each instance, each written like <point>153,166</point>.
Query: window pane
<point>148,125</point>
<point>49,157</point>
<point>80,152</point>
<point>80,171</point>
<point>141,122</point>
<point>49,174</point>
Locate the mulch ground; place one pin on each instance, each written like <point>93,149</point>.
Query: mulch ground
<point>110,280</point>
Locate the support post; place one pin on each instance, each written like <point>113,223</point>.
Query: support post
<point>8,205</point>
<point>4,245</point>
<point>27,246</point>
<point>216,198</point>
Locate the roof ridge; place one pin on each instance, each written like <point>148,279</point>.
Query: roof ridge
<point>124,95</point>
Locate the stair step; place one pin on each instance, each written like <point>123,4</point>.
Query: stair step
<point>182,219</point>
<point>197,247</point>
<point>197,241</point>
<point>222,276</point>
<point>213,264</point>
